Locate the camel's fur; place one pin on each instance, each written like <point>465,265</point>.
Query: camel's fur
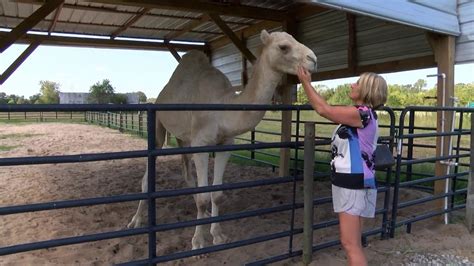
<point>195,80</point>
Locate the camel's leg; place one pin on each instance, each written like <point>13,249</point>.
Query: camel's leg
<point>217,197</point>
<point>187,167</point>
<point>138,217</point>
<point>201,161</point>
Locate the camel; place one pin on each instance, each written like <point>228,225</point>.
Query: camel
<point>195,80</point>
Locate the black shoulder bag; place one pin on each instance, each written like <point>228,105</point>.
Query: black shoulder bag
<point>383,157</point>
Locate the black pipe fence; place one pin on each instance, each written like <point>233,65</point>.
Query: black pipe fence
<point>103,113</point>
<point>457,164</point>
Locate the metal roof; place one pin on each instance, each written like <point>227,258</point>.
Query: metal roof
<point>100,19</point>
<point>160,19</point>
<point>416,13</point>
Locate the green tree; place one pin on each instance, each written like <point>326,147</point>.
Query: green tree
<point>101,92</point>
<point>301,97</point>
<point>419,85</point>
<point>34,98</point>
<point>119,98</point>
<point>464,93</point>
<point>49,92</point>
<point>141,97</point>
<point>341,95</point>
<point>3,98</point>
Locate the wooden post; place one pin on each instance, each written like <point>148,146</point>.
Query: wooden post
<point>444,50</point>
<point>309,132</point>
<point>470,186</point>
<point>289,26</point>
<point>286,116</point>
<point>140,121</point>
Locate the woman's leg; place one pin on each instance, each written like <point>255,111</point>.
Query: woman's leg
<point>350,233</point>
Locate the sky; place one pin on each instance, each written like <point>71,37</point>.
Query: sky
<point>77,69</point>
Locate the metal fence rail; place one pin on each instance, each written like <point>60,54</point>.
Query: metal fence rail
<point>410,179</point>
<point>151,153</point>
<point>127,117</point>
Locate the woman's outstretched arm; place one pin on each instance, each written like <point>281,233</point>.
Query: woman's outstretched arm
<point>346,115</point>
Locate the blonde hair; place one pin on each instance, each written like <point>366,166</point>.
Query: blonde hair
<point>373,89</point>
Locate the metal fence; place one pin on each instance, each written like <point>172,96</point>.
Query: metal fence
<point>50,116</point>
<point>104,113</point>
<point>457,173</point>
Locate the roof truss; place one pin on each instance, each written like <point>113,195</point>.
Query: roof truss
<point>27,24</point>
<point>236,10</point>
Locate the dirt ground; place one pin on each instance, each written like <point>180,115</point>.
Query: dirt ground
<point>44,183</point>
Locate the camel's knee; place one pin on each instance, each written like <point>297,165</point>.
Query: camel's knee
<point>202,201</point>
<point>217,197</point>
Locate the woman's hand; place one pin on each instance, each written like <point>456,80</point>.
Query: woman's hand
<point>303,75</point>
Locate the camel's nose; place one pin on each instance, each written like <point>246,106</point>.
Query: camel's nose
<point>312,58</point>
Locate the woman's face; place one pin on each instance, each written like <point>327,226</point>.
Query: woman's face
<point>354,94</point>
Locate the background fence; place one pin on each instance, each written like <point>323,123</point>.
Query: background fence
<point>260,145</point>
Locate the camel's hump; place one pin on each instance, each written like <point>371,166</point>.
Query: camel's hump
<point>194,57</point>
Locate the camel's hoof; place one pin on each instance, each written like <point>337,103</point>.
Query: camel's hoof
<point>135,223</point>
<point>220,239</point>
<point>202,256</point>
<point>198,242</point>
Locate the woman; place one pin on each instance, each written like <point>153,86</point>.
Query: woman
<point>353,144</point>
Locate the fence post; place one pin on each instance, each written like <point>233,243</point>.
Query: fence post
<point>121,121</point>
<point>470,185</point>
<point>309,132</point>
<point>140,121</point>
<point>8,115</point>
<point>108,119</point>
<point>252,141</point>
<point>411,130</point>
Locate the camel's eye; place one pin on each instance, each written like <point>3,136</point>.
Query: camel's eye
<point>284,48</point>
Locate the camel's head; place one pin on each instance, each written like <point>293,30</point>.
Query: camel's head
<point>285,54</point>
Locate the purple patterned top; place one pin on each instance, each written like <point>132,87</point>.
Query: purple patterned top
<point>353,152</point>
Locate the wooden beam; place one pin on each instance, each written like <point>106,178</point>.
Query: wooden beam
<point>200,6</point>
<point>444,50</point>
<point>9,71</point>
<point>104,43</point>
<point>188,27</point>
<point>246,33</point>
<point>55,19</point>
<point>352,44</point>
<point>130,22</point>
<point>173,51</point>
<point>231,35</point>
<point>300,11</point>
<point>470,186</point>
<point>112,10</point>
<point>286,116</point>
<point>132,27</point>
<point>386,67</point>
<point>28,23</point>
<point>244,75</point>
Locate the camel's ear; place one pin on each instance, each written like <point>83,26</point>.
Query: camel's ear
<point>265,37</point>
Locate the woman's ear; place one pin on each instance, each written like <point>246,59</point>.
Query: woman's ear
<point>265,37</point>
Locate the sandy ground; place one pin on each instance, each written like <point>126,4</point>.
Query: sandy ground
<point>43,183</point>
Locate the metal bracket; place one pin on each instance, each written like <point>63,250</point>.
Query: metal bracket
<point>449,162</point>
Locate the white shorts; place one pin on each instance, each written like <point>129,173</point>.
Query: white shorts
<point>359,202</point>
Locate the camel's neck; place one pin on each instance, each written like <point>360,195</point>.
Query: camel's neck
<point>261,85</point>
<point>259,90</point>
